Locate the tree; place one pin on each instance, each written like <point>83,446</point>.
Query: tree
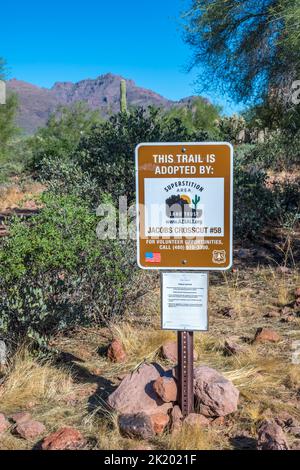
<point>251,47</point>
<point>107,153</point>
<point>197,114</point>
<point>8,112</point>
<point>62,133</point>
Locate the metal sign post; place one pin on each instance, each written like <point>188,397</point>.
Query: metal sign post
<point>184,226</point>
<point>186,371</point>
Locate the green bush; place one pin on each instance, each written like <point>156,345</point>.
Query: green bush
<point>197,114</point>
<point>256,203</point>
<point>55,272</point>
<point>279,152</point>
<point>107,153</point>
<point>61,135</point>
<point>67,177</point>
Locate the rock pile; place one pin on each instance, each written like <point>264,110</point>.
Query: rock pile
<point>22,425</point>
<point>146,400</point>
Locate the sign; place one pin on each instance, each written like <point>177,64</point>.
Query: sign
<point>184,301</point>
<point>184,205</point>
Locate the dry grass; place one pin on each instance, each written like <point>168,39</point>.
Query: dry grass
<point>15,196</point>
<point>29,383</point>
<point>191,438</point>
<point>267,379</point>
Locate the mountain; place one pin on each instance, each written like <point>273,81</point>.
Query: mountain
<point>103,93</point>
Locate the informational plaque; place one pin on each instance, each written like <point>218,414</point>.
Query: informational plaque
<point>184,301</point>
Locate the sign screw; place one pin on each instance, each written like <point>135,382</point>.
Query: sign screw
<point>184,261</point>
<point>183,149</point>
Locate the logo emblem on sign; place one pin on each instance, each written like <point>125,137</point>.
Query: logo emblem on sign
<point>183,207</point>
<point>219,256</point>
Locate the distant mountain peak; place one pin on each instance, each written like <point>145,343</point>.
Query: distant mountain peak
<point>102,92</point>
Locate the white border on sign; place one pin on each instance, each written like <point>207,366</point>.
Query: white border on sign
<point>200,268</point>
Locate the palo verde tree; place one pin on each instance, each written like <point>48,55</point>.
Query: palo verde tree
<point>197,114</point>
<point>250,46</point>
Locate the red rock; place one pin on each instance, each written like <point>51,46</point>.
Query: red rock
<point>271,437</point>
<point>166,389</point>
<point>220,421</point>
<point>4,424</point>
<point>231,346</point>
<point>283,270</point>
<point>297,292</point>
<point>215,395</point>
<point>295,430</point>
<point>272,314</point>
<point>228,312</point>
<point>288,319</point>
<point>141,446</point>
<point>66,438</point>
<point>297,302</point>
<point>135,393</point>
<point>266,335</point>
<point>29,429</point>
<point>296,445</point>
<point>286,420</point>
<point>176,419</point>
<point>30,205</point>
<point>194,419</point>
<point>115,351</point>
<point>286,310</point>
<point>159,422</point>
<point>169,351</point>
<point>21,417</point>
<point>30,405</point>
<point>137,426</point>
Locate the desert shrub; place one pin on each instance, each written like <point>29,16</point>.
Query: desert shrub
<point>67,177</point>
<point>14,160</point>
<point>61,135</point>
<point>256,202</point>
<point>230,127</point>
<point>197,114</point>
<point>280,151</point>
<point>107,153</point>
<point>55,272</point>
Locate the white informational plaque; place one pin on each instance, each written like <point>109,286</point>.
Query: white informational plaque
<point>184,301</point>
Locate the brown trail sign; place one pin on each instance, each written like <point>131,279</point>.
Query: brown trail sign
<point>184,224</point>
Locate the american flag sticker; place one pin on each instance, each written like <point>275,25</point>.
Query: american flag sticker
<point>151,257</point>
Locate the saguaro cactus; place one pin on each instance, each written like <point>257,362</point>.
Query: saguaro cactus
<point>123,98</point>
<point>196,201</point>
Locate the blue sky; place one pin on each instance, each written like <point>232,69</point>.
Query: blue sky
<point>64,40</point>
